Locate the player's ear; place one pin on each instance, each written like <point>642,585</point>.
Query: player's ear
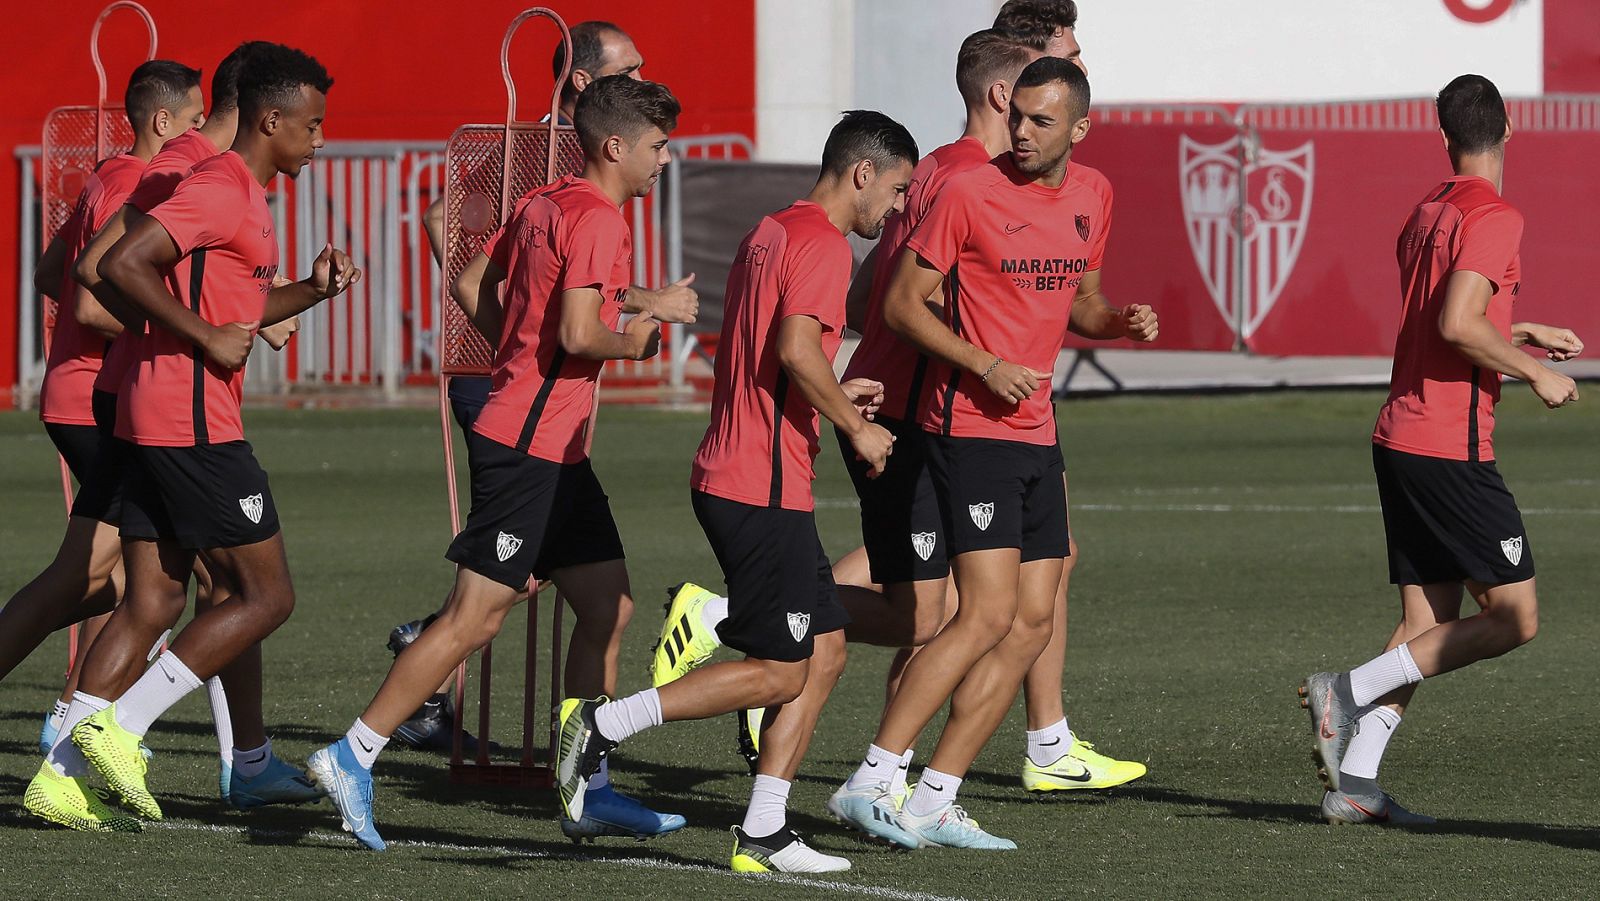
<point>1080,130</point>
<point>1508,131</point>
<point>613,148</point>
<point>1000,97</point>
<point>1446,138</point>
<point>163,122</point>
<point>861,173</point>
<point>581,81</point>
<point>269,123</point>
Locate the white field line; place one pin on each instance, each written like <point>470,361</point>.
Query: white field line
<point>841,503</point>
<point>642,863</point>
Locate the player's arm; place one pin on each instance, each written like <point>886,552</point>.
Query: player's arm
<point>1094,317</point>
<point>906,312</point>
<point>676,302</point>
<point>47,275</point>
<point>332,273</point>
<point>433,224</point>
<point>583,334</point>
<point>133,266</point>
<point>477,291</point>
<point>86,269</point>
<point>90,314</point>
<point>847,405</point>
<point>855,300</point>
<point>1559,344</point>
<point>1464,323</point>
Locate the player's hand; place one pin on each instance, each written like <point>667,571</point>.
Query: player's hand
<point>1559,344</point>
<point>277,336</point>
<point>1012,382</point>
<point>645,333</point>
<point>873,443</point>
<point>1554,388</point>
<point>866,394</point>
<point>1139,321</point>
<point>676,302</point>
<point>229,345</point>
<point>333,272</point>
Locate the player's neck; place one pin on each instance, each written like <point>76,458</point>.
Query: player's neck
<point>837,197</point>
<point>990,130</point>
<point>608,180</point>
<point>220,130</point>
<point>257,157</point>
<point>1489,166</point>
<point>145,146</point>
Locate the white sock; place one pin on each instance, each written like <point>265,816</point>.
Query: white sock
<point>934,790</point>
<point>897,782</point>
<point>58,714</point>
<point>161,686</point>
<point>601,777</point>
<point>622,719</point>
<point>252,763</point>
<point>713,613</point>
<point>1365,751</point>
<point>222,719</point>
<point>877,769</point>
<point>365,743</point>
<point>64,756</point>
<point>1383,674</point>
<point>1047,745</point>
<point>769,798</point>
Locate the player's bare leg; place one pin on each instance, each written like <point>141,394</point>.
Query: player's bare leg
<point>602,604</point>
<point>786,730</point>
<point>77,584</point>
<point>1042,687</point>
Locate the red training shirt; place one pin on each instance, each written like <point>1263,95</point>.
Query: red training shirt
<point>76,350</point>
<point>1440,404</point>
<point>218,218</point>
<point>763,435</point>
<point>1012,252</point>
<point>169,166</point>
<point>882,355</point>
<point>560,237</point>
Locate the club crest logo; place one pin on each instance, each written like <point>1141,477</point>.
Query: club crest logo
<point>1245,209</point>
<point>1512,548</point>
<point>923,542</point>
<point>982,515</point>
<point>798,624</point>
<point>252,507</point>
<point>1082,222</point>
<point>506,545</point>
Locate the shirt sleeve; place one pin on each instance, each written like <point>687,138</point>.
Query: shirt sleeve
<point>591,248</point>
<point>1097,250</point>
<point>1487,244</point>
<point>204,211</point>
<point>498,249</point>
<point>939,237</point>
<point>814,278</point>
<point>153,188</point>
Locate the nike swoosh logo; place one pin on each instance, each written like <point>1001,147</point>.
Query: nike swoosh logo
<point>1327,712</point>
<point>871,763</point>
<point>170,678</point>
<point>257,760</point>
<point>937,788</point>
<point>1050,744</point>
<point>1013,229</point>
<point>1084,776</point>
<point>363,746</point>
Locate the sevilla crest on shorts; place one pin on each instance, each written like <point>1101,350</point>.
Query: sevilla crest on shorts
<point>1268,216</point>
<point>1512,548</point>
<point>798,624</point>
<point>923,542</point>
<point>982,515</point>
<point>252,507</point>
<point>506,545</point>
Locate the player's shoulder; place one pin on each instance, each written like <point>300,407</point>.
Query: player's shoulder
<point>803,224</point>
<point>1089,177</point>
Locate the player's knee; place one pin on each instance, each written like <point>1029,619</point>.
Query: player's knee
<point>780,682</point>
<point>827,662</point>
<point>277,604</point>
<point>991,623</point>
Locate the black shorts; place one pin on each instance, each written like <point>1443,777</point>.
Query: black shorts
<point>1449,521</point>
<point>998,494</point>
<point>468,394</point>
<point>900,525</point>
<point>203,496</point>
<point>100,491</point>
<point>531,516</point>
<point>79,445</point>
<point>780,582</point>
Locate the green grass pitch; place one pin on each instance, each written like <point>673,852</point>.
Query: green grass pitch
<point>1230,545</point>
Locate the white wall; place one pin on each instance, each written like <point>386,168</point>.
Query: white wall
<point>818,57</point>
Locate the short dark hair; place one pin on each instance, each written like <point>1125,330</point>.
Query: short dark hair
<point>1035,22</point>
<point>625,107</point>
<point>1472,114</point>
<point>986,57</point>
<point>272,75</point>
<point>1048,69</point>
<point>588,52</point>
<point>225,81</point>
<point>867,135</point>
<point>158,84</point>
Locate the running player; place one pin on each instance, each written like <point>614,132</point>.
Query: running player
<point>538,509</point>
<point>1007,241</point>
<point>599,49</point>
<point>196,485</point>
<point>1449,519</point>
<point>751,490</point>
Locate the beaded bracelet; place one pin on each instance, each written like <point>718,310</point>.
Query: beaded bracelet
<point>990,370</point>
